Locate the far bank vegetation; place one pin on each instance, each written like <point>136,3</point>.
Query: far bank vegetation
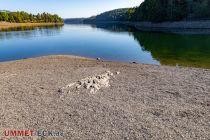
<point>159,11</point>
<point>24,17</point>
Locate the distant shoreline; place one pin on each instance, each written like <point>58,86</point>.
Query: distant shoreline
<point>7,25</point>
<point>175,26</point>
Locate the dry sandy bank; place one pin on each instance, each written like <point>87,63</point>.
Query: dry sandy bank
<point>7,25</point>
<point>142,102</point>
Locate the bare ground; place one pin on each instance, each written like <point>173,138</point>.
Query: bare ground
<point>142,102</point>
<point>7,25</point>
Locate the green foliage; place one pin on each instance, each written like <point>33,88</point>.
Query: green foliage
<point>159,11</point>
<point>4,16</point>
<point>115,15</point>
<point>172,10</point>
<point>23,17</point>
<point>151,10</point>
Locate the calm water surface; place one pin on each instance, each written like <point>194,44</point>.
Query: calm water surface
<point>109,42</point>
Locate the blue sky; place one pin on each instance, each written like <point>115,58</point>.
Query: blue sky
<point>67,8</point>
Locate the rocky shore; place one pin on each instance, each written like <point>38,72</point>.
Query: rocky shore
<point>176,26</point>
<point>191,27</point>
<point>94,99</point>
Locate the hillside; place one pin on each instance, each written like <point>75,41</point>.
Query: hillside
<point>74,20</point>
<point>172,10</point>
<point>114,15</point>
<point>159,11</point>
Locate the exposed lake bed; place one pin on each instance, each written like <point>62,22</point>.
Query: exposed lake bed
<point>142,101</point>
<point>5,26</point>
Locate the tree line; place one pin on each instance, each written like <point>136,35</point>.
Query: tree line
<point>23,17</point>
<point>123,14</point>
<point>172,10</point>
<point>159,11</point>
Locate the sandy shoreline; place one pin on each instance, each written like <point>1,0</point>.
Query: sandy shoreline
<point>142,101</point>
<point>6,25</point>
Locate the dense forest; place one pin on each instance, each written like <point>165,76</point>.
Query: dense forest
<point>23,17</point>
<point>74,20</point>
<point>123,14</point>
<point>159,11</point>
<point>172,10</point>
<point>114,15</point>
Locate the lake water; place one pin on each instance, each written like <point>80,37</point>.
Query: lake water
<point>108,42</point>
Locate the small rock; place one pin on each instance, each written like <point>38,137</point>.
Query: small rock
<point>70,85</point>
<point>78,86</point>
<point>109,73</point>
<point>92,90</point>
<point>88,85</point>
<point>60,90</point>
<point>117,72</point>
<point>80,82</point>
<point>96,87</point>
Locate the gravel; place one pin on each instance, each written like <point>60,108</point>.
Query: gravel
<point>142,101</point>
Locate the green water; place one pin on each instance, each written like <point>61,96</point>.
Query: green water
<point>177,49</point>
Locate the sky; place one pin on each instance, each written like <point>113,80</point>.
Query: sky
<point>67,8</point>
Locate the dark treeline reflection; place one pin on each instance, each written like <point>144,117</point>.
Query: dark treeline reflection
<point>175,49</point>
<point>166,48</point>
<point>113,27</point>
<point>25,32</point>
<point>170,49</point>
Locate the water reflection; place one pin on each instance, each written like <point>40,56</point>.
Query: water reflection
<point>170,49</point>
<point>112,27</point>
<point>29,32</point>
<point>175,49</point>
<point>107,41</point>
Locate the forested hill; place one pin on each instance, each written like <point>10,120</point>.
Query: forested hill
<point>23,17</point>
<point>74,20</point>
<point>159,11</point>
<point>114,15</point>
<point>172,10</point>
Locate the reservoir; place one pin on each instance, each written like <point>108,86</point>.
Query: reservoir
<point>109,42</point>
